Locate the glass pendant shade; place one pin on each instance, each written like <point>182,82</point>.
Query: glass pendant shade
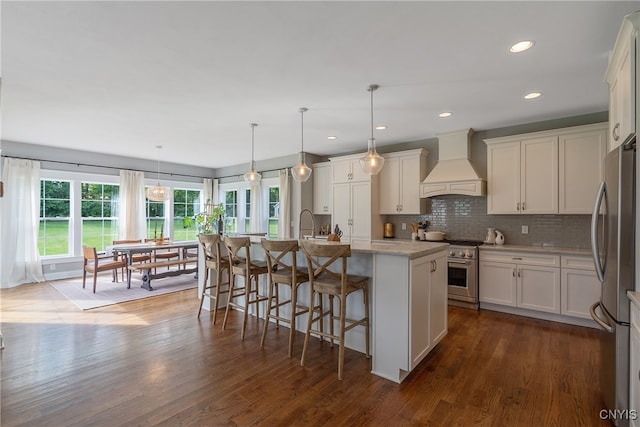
<point>252,177</point>
<point>372,162</point>
<point>158,193</point>
<point>301,172</point>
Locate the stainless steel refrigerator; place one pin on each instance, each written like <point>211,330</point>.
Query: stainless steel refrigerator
<point>613,245</point>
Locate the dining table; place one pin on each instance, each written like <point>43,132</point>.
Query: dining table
<point>130,249</point>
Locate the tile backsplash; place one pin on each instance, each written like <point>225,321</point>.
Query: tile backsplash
<point>465,217</point>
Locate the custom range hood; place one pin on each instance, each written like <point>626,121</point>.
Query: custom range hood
<point>453,174</point>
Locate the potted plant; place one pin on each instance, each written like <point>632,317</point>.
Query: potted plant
<point>210,221</point>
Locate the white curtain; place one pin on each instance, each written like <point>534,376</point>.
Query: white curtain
<point>19,257</point>
<point>207,191</point>
<point>256,216</point>
<point>284,218</point>
<point>132,213</point>
<point>215,191</point>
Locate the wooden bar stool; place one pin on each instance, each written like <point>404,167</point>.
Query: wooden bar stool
<point>213,260</point>
<point>281,273</point>
<point>250,271</point>
<point>326,282</point>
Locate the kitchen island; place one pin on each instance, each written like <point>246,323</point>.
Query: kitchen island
<point>408,301</point>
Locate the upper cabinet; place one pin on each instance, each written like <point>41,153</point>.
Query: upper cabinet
<point>622,79</point>
<point>347,169</point>
<point>400,180</point>
<point>546,172</point>
<point>322,193</point>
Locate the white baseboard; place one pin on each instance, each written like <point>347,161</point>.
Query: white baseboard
<point>578,321</point>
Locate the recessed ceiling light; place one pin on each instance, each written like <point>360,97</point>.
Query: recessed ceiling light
<point>533,95</point>
<point>521,46</point>
<point>332,137</point>
<point>381,127</point>
<point>445,114</point>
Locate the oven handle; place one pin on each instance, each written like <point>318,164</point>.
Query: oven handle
<point>455,261</point>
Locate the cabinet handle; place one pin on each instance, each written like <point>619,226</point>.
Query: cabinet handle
<point>519,273</point>
<point>523,208</point>
<point>400,208</point>
<point>518,206</point>
<point>517,258</point>
<point>614,134</point>
<point>434,266</point>
<point>513,272</point>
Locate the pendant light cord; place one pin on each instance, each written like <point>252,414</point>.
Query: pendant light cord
<point>253,128</point>
<point>371,89</point>
<point>302,110</point>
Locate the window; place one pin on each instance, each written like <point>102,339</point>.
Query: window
<point>231,211</point>
<point>55,211</point>
<point>155,219</point>
<point>186,204</point>
<point>99,210</point>
<point>274,210</point>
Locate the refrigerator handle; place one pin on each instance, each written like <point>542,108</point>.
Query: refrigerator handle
<point>604,325</point>
<point>594,232</point>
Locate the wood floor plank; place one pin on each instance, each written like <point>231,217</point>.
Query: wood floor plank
<point>152,362</point>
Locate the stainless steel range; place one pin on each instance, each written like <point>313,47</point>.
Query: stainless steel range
<point>463,273</point>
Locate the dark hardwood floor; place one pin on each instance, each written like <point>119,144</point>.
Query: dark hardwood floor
<point>152,362</point>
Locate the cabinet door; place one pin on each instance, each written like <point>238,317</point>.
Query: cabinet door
<point>360,210</point>
<point>340,171</point>
<point>342,208</point>
<point>579,289</point>
<point>539,176</point>
<point>497,283</point>
<point>581,158</point>
<point>503,170</point>
<point>390,186</point>
<point>357,173</point>
<point>621,107</point>
<point>438,299</point>
<point>420,343</point>
<point>322,190</point>
<point>538,288</point>
<point>410,203</point>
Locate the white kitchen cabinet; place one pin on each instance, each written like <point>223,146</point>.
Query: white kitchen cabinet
<point>355,203</point>
<point>400,180</point>
<point>322,188</point>
<point>579,286</point>
<point>621,77</point>
<point>581,168</point>
<point>548,172</point>
<point>428,305</point>
<point>522,176</point>
<point>347,169</point>
<point>522,280</point>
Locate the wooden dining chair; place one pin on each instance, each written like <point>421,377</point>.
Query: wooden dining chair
<point>214,260</point>
<point>320,256</point>
<point>238,249</point>
<point>94,264</point>
<point>163,254</point>
<point>282,267</point>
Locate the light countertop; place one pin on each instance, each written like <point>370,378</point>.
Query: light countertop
<point>635,298</point>
<point>537,249</point>
<point>401,247</point>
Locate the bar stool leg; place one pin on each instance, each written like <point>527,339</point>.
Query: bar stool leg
<point>365,292</point>
<point>343,316</point>
<point>269,308</point>
<point>204,289</point>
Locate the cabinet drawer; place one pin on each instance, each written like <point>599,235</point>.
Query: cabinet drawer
<point>521,258</point>
<point>579,262</point>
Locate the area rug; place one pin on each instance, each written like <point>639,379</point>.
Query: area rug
<point>108,292</point>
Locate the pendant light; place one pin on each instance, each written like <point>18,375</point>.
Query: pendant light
<point>158,193</point>
<point>252,177</point>
<point>301,172</point>
<point>372,162</point>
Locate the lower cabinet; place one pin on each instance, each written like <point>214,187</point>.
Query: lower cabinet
<point>580,286</point>
<point>428,307</point>
<point>520,280</point>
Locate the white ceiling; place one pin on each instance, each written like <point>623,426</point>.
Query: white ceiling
<point>123,77</point>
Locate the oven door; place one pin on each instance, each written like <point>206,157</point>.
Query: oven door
<point>463,280</point>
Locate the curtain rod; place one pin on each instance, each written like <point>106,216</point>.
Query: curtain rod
<point>242,174</point>
<point>104,167</point>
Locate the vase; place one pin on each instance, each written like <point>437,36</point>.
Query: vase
<point>220,224</point>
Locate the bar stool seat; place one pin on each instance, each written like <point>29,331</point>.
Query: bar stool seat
<point>286,273</point>
<point>326,282</point>
<point>250,271</point>
<point>213,260</point>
